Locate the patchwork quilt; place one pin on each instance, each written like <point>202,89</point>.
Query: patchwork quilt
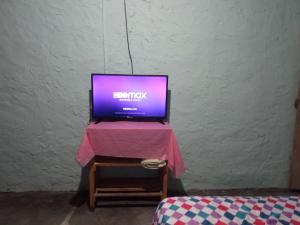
<point>237,210</point>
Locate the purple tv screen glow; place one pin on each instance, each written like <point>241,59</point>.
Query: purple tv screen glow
<point>129,96</point>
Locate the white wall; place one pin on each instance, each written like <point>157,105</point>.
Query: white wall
<point>233,68</point>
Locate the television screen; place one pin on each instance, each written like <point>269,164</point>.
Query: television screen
<point>129,96</point>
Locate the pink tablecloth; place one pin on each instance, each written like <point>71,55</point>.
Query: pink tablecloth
<point>145,140</point>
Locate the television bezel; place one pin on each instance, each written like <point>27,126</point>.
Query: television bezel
<point>126,117</point>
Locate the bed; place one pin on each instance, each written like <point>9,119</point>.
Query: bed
<point>221,210</point>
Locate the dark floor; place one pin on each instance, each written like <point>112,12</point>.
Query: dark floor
<point>69,208</point>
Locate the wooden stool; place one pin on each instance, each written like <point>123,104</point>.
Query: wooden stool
<point>128,187</point>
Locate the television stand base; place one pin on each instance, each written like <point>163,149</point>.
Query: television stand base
<point>162,122</point>
<point>97,121</point>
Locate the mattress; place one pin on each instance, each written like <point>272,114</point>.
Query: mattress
<point>221,210</point>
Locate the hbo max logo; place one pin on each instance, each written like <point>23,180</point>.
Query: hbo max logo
<point>130,95</point>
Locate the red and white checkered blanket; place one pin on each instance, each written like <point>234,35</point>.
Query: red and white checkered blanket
<point>195,210</point>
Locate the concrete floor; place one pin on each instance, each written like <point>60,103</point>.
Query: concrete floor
<point>69,208</point>
<point>65,208</point>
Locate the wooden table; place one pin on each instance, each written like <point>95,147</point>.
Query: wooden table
<point>124,144</point>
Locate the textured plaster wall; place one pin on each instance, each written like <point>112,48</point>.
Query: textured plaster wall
<point>47,50</point>
<point>233,68</point>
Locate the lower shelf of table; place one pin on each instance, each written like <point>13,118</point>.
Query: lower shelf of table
<point>128,187</point>
<point>102,186</point>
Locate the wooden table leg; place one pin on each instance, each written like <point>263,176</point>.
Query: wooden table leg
<point>92,170</point>
<point>164,178</point>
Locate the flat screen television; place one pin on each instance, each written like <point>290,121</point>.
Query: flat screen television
<point>129,97</point>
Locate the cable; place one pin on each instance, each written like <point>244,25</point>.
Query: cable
<point>129,53</point>
<point>103,37</point>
